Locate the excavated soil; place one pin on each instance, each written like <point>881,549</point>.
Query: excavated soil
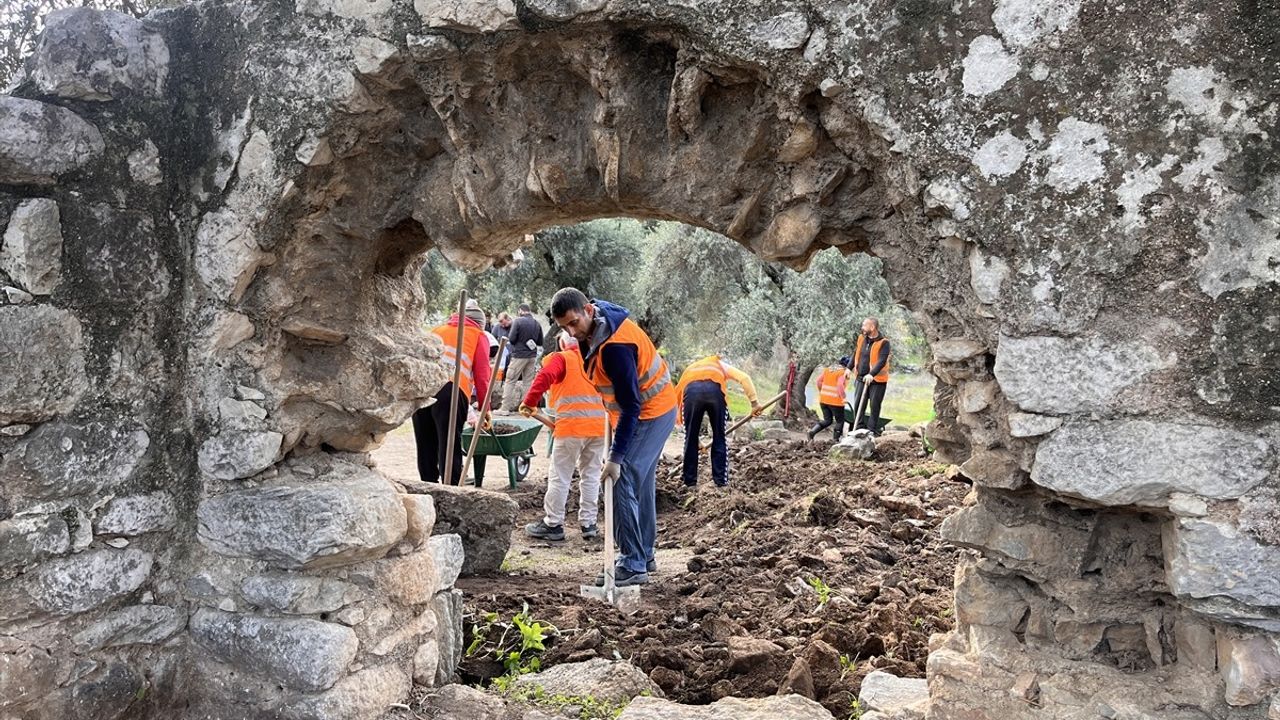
<point>807,574</point>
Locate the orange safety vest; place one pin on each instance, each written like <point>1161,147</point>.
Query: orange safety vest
<point>877,350</point>
<point>574,400</point>
<point>470,339</point>
<point>829,386</point>
<point>708,368</point>
<point>657,395</point>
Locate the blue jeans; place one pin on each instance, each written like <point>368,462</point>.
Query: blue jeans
<point>635,512</point>
<point>704,397</point>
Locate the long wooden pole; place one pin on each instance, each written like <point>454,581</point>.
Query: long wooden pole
<point>457,379</point>
<point>746,418</point>
<point>484,408</point>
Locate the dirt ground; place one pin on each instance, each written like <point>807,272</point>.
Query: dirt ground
<point>833,561</point>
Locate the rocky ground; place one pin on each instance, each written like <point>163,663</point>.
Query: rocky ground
<point>806,575</point>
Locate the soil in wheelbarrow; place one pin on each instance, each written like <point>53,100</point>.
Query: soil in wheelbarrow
<point>836,562</point>
<point>500,428</point>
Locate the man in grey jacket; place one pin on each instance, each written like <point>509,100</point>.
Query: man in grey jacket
<point>524,340</point>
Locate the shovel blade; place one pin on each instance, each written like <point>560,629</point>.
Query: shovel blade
<point>626,599</point>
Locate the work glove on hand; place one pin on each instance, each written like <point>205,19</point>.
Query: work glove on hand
<point>527,411</point>
<point>868,378</point>
<point>612,471</point>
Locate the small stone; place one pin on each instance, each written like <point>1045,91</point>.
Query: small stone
<point>426,662</point>
<point>241,414</point>
<point>448,609</point>
<point>424,623</point>
<point>43,348</point>
<point>799,679</point>
<point>351,616</point>
<point>298,594</point>
<point>448,554</point>
<point>475,16</point>
<point>954,350</point>
<point>563,10</point>
<point>17,296</point>
<point>138,514</point>
<point>605,680</point>
<point>420,512</point>
<point>118,542</point>
<point>236,454</point>
<point>1023,425</point>
<point>995,468</point>
<point>1184,505</point>
<point>227,605</point>
<point>83,582</point>
<point>28,539</point>
<point>746,653</point>
<point>87,54</point>
<point>429,48</point>
<point>1250,665</point>
<point>831,88</point>
<point>32,250</point>
<point>855,445</point>
<point>891,694</point>
<point>136,625</point>
<point>144,164</point>
<point>244,392</point>
<point>366,693</point>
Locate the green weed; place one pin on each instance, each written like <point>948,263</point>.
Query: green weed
<point>823,590</point>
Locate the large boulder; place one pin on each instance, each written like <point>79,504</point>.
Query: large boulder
<point>301,654</point>
<point>1056,375</point>
<point>1223,572</point>
<point>483,519</point>
<point>39,142</point>
<point>348,515</point>
<point>778,707</point>
<point>43,350</point>
<point>86,54</point>
<point>890,694</point>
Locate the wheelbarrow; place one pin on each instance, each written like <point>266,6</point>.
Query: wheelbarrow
<point>516,448</point>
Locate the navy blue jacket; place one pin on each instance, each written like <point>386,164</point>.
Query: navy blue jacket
<point>620,363</point>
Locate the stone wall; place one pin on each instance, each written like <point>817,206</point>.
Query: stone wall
<point>214,221</point>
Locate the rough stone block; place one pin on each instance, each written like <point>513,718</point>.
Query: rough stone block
<point>563,10</point>
<point>420,514</point>
<point>408,579</point>
<point>994,468</point>
<point>39,142</point>
<point>981,600</point>
<point>137,624</point>
<point>364,694</point>
<point>83,582</point>
<point>1141,462</point>
<point>26,540</point>
<point>1023,425</point>
<point>448,553</point>
<point>448,609</point>
<point>476,16</point>
<point>86,54</point>
<point>138,514</point>
<point>32,251</point>
<point>298,594</point>
<point>1037,549</point>
<point>43,350</point>
<point>786,31</point>
<point>889,693</point>
<point>1250,665</point>
<point>482,518</point>
<point>1208,558</point>
<point>426,663</point>
<point>27,674</point>
<point>60,460</point>
<point>1058,375</point>
<point>349,515</point>
<point>420,625</point>
<point>305,655</point>
<point>237,454</point>
<point>606,680</point>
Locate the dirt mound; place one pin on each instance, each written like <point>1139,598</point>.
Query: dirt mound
<point>806,573</point>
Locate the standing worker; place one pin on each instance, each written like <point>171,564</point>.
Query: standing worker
<point>871,363</point>
<point>431,423</point>
<point>524,340</point>
<point>703,390</point>
<point>635,384</point>
<point>579,440</point>
<point>831,384</point>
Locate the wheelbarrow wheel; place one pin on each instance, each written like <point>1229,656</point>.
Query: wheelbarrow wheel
<point>522,467</point>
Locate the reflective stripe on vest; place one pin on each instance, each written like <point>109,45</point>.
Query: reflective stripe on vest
<point>829,389</point>
<point>877,349</point>
<point>657,394</point>
<point>471,335</point>
<point>580,412</point>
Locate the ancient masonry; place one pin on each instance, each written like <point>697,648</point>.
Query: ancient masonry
<point>213,222</point>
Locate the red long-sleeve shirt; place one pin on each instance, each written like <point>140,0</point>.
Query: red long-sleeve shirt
<point>552,372</point>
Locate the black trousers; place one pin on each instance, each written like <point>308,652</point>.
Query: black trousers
<point>431,434</point>
<point>704,397</point>
<point>831,414</point>
<point>875,397</point>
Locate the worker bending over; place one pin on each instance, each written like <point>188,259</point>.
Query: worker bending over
<point>636,387</point>
<point>831,383</point>
<point>703,390</point>
<point>579,440</point>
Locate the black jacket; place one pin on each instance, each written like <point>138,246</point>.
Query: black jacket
<point>524,328</point>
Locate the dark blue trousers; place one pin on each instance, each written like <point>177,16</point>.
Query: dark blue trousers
<point>704,397</point>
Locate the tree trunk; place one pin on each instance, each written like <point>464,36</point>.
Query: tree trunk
<point>801,415</point>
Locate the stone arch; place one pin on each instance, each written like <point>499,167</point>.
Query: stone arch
<point>240,200</point>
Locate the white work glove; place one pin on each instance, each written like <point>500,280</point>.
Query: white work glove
<point>531,344</point>
<point>612,471</point>
<point>868,378</point>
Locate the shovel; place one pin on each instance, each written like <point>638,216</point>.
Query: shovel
<point>862,407</point>
<point>626,599</point>
<point>484,410</point>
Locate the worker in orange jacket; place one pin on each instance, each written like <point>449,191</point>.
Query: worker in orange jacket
<point>831,386</point>
<point>431,423</point>
<point>579,440</point>
<point>703,390</point>
<point>870,365</point>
